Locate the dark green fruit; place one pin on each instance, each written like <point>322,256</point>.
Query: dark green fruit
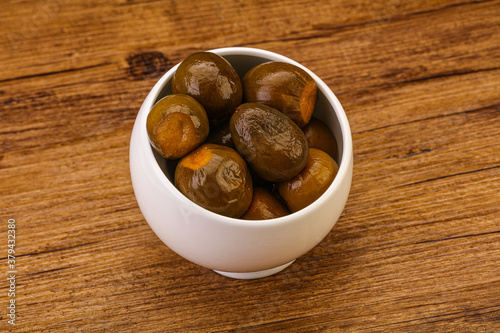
<point>216,178</point>
<point>264,206</point>
<point>305,188</point>
<point>221,135</point>
<point>273,145</point>
<point>212,81</point>
<point>319,136</point>
<point>176,125</point>
<point>284,87</point>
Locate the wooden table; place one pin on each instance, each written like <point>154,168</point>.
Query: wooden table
<point>417,248</point>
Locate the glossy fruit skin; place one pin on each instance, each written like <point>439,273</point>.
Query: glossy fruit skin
<point>212,81</point>
<point>319,136</point>
<point>272,144</point>
<point>265,206</point>
<point>221,135</point>
<point>176,125</point>
<point>283,86</point>
<point>217,178</point>
<point>305,188</point>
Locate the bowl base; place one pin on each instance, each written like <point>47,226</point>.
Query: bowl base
<point>257,274</point>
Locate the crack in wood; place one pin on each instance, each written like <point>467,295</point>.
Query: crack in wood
<point>489,107</point>
<point>53,250</point>
<point>457,237</point>
<point>447,176</point>
<point>69,70</point>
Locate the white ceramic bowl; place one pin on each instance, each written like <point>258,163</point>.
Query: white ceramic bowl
<point>232,247</point>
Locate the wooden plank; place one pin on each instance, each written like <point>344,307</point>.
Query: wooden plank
<point>417,246</point>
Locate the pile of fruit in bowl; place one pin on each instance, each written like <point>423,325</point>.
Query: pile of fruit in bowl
<point>248,148</point>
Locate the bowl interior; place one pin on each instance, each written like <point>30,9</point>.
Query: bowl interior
<point>324,109</point>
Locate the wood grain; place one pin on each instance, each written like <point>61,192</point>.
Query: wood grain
<point>417,248</point>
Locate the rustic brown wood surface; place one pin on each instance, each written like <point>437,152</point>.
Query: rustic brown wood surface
<point>417,248</point>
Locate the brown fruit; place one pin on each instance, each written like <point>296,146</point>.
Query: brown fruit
<point>319,136</point>
<point>305,188</point>
<point>176,125</point>
<point>212,81</point>
<point>265,206</point>
<point>221,135</point>
<point>273,145</point>
<point>283,86</point>
<point>216,178</point>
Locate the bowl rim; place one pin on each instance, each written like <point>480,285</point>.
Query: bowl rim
<point>345,158</point>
